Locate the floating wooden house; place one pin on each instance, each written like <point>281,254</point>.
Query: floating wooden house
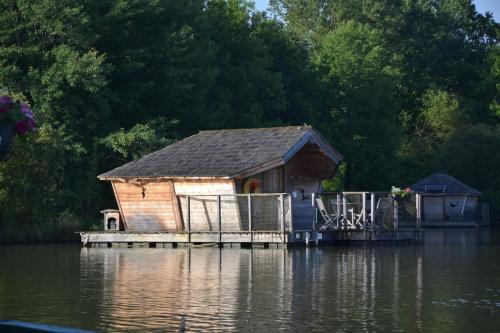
<point>447,201</point>
<point>202,183</point>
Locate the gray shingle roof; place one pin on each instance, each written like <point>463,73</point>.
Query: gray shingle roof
<point>220,153</point>
<point>453,186</point>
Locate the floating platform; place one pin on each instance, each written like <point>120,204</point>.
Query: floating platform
<point>243,239</point>
<point>452,224</point>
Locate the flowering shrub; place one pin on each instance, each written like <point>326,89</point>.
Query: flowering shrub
<point>399,193</point>
<point>17,115</point>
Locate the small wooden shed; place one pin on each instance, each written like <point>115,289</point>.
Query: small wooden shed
<point>151,191</point>
<point>445,198</point>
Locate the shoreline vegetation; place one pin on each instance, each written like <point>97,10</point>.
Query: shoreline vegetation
<point>401,89</point>
<point>63,230</point>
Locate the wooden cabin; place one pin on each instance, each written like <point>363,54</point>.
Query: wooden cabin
<point>195,179</point>
<point>445,200</point>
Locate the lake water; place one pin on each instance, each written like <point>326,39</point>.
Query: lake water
<point>449,284</point>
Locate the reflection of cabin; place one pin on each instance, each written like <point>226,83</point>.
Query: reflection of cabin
<point>446,199</point>
<point>151,192</point>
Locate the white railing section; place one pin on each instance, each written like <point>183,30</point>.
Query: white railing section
<point>266,212</point>
<point>367,211</point>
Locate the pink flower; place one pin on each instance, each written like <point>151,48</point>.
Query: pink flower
<point>5,100</point>
<point>25,110</point>
<point>31,124</point>
<point>21,127</point>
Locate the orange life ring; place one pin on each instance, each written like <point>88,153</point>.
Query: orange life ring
<point>251,185</point>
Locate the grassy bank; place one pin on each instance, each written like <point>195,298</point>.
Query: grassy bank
<point>59,230</point>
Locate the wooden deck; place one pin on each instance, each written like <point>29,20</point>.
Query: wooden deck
<point>451,224</point>
<point>261,238</point>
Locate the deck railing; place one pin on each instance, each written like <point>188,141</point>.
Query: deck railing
<point>266,212</point>
<point>368,211</point>
<point>483,213</point>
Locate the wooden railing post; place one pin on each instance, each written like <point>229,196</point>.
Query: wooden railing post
<point>344,210</point>
<point>396,214</point>
<point>250,228</point>
<point>290,227</point>
<point>337,217</point>
<point>219,219</point>
<point>363,197</point>
<point>372,215</point>
<point>188,217</point>
<point>418,207</point>
<point>282,214</point>
<point>315,210</point>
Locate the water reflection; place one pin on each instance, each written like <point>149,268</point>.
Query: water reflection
<point>232,289</point>
<point>452,283</point>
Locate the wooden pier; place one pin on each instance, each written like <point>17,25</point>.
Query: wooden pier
<point>269,220</point>
<point>240,239</point>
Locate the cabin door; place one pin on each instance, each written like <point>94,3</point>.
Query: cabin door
<point>302,207</point>
<point>433,208</point>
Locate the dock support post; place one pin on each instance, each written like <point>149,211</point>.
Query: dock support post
<point>282,214</point>
<point>372,215</point>
<point>363,197</point>
<point>418,199</point>
<point>188,199</point>
<point>337,217</point>
<point>250,229</point>
<point>344,211</point>
<point>313,202</point>
<point>219,219</point>
<point>396,214</point>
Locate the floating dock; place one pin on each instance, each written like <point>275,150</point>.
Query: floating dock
<point>268,220</point>
<point>241,239</point>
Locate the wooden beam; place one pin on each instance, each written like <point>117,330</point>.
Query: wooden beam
<point>373,212</point>
<point>119,206</point>
<point>314,137</point>
<point>188,213</point>
<point>250,228</point>
<point>282,214</point>
<point>418,203</point>
<point>176,206</point>
<point>219,218</point>
<point>161,178</point>
<point>395,214</point>
<point>363,196</point>
<point>258,169</point>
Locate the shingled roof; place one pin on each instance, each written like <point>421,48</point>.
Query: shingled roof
<point>443,183</point>
<point>224,153</point>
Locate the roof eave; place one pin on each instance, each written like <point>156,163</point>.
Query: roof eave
<point>127,178</point>
<point>313,136</point>
<point>256,169</point>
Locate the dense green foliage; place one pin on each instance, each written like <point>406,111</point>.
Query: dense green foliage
<point>401,88</point>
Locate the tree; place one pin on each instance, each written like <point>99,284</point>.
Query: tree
<point>473,156</point>
<point>363,122</point>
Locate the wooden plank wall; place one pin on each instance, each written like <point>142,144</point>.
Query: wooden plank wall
<point>148,205</point>
<point>311,161</point>
<point>273,181</point>
<point>438,208</point>
<point>458,201</point>
<point>204,208</point>
<point>433,208</point>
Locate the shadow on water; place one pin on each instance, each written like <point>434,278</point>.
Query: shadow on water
<point>449,284</point>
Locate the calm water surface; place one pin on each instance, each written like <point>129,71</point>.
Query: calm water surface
<point>450,284</point>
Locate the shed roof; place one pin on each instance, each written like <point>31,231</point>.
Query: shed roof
<point>443,183</point>
<point>225,153</point>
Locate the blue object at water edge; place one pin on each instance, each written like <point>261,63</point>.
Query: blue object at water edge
<point>15,326</point>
